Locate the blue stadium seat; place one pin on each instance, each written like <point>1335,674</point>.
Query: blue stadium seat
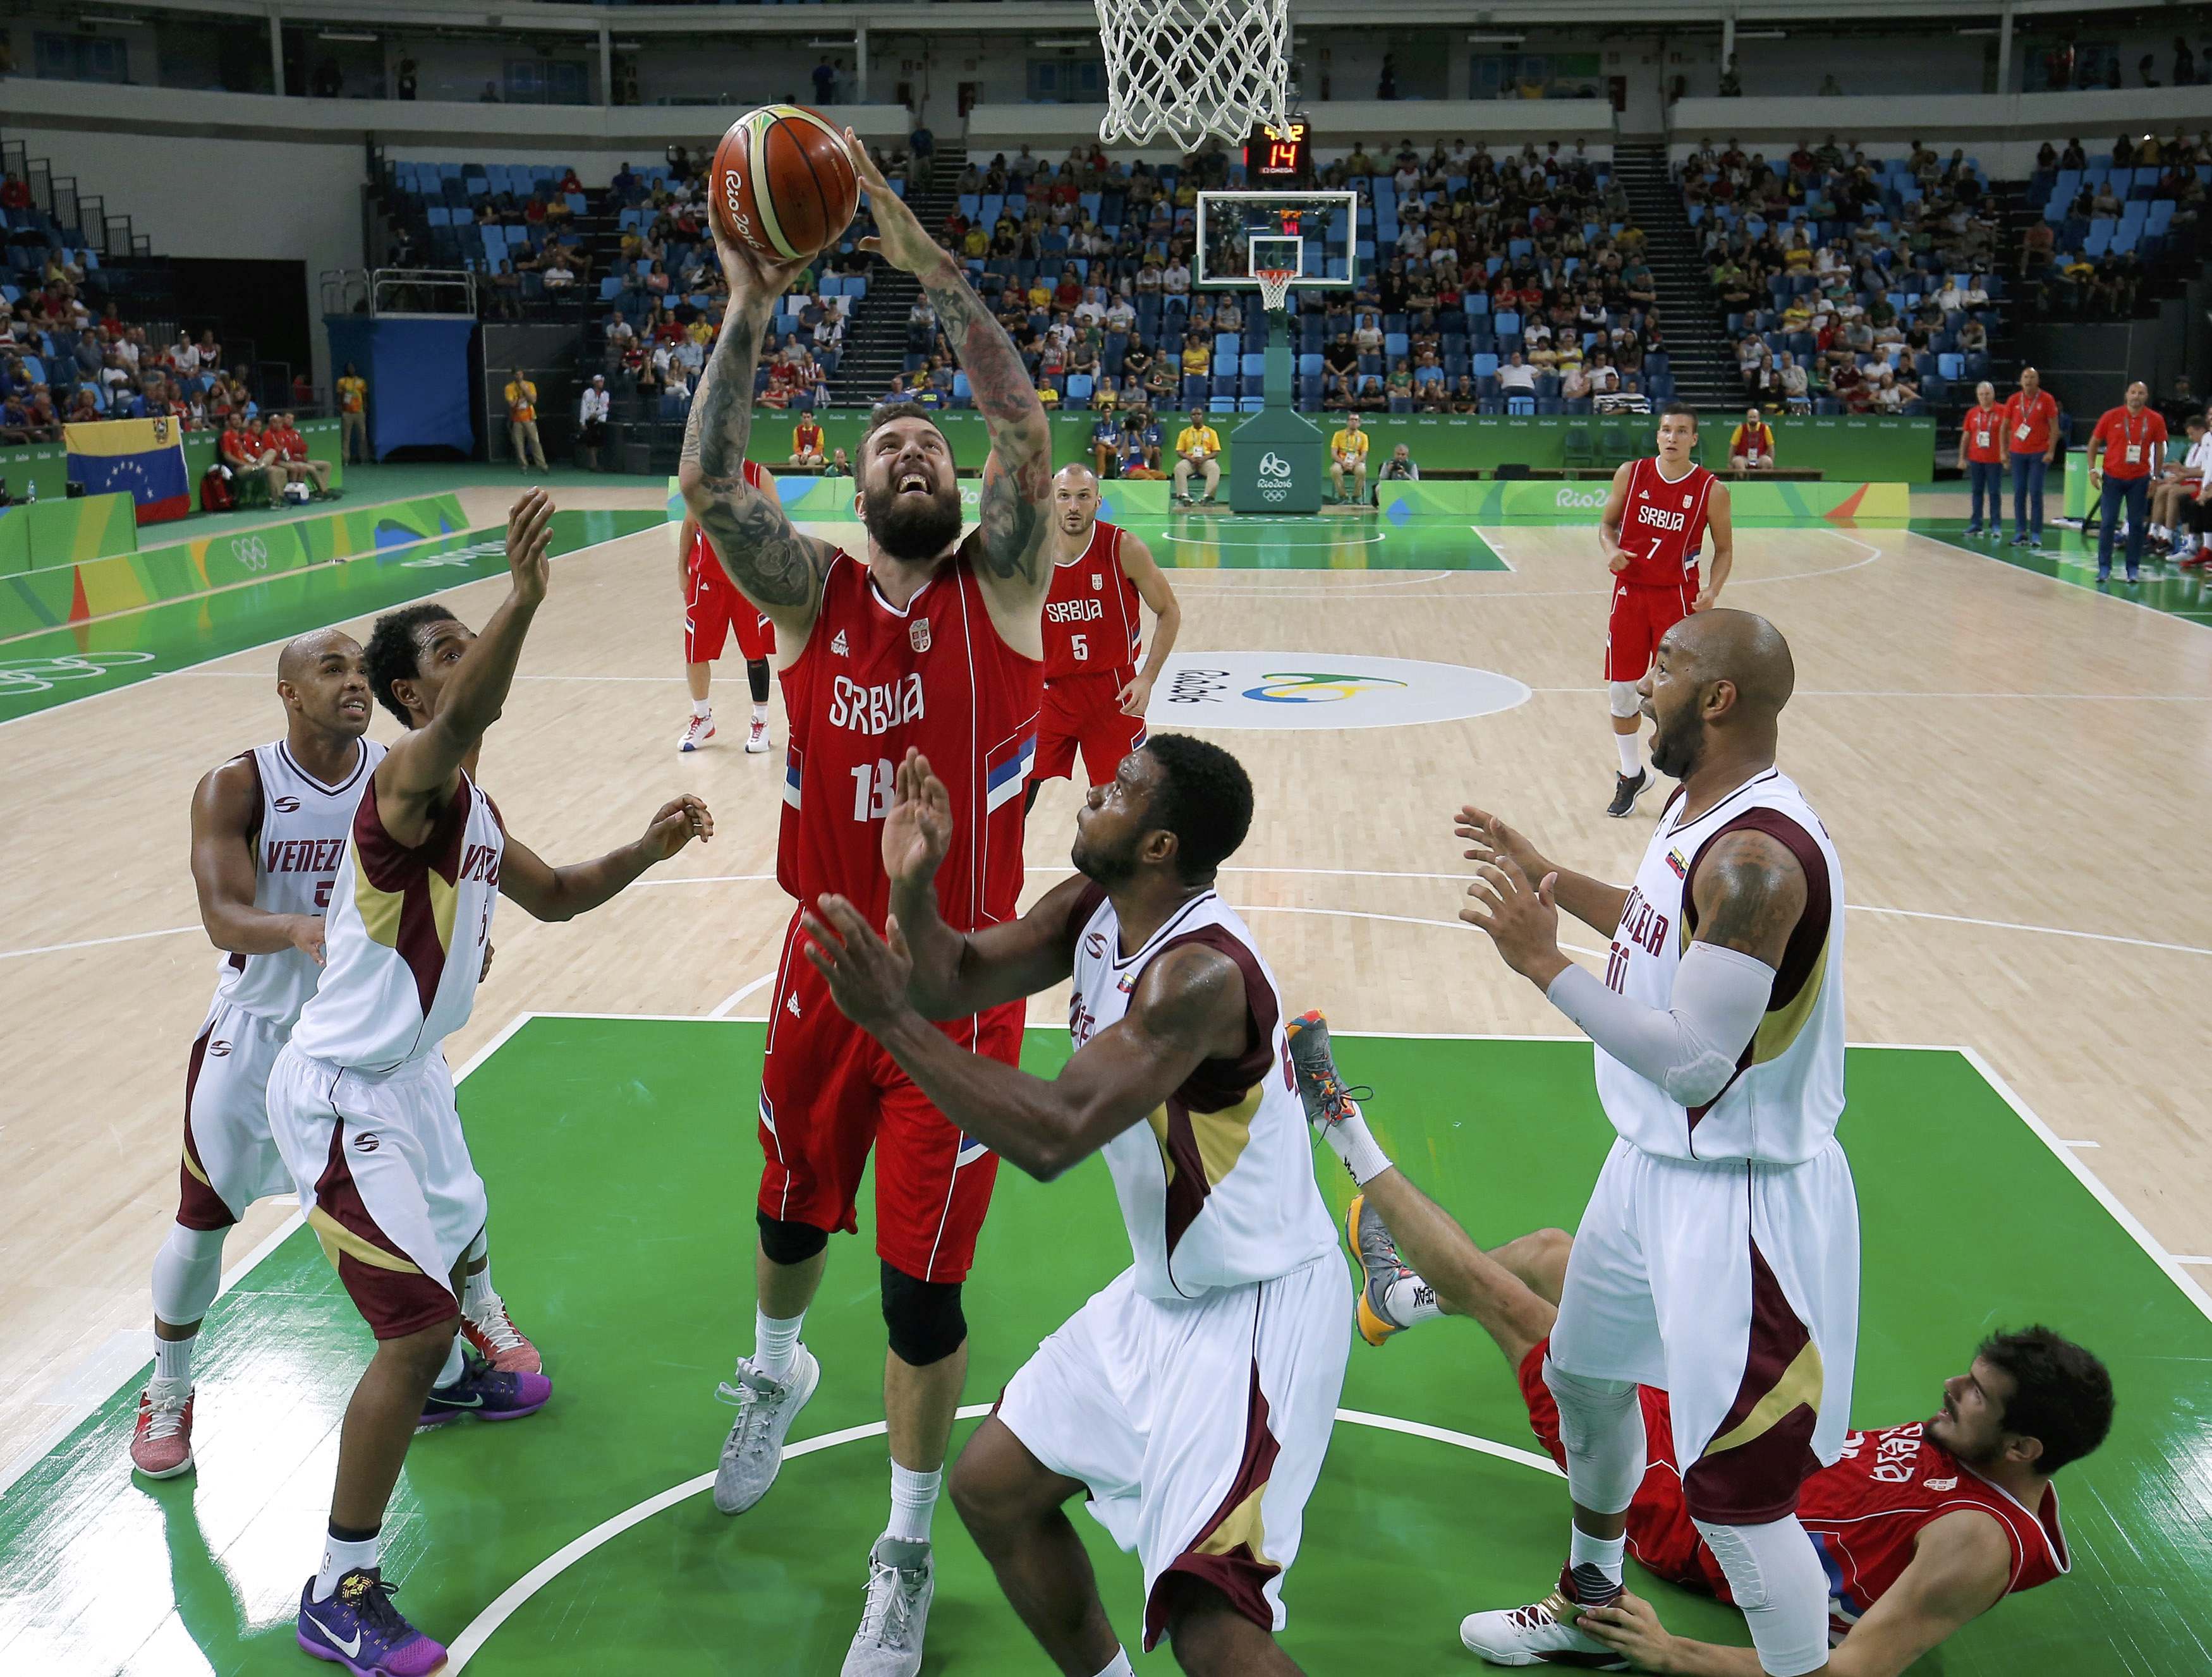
<point>1254,365</point>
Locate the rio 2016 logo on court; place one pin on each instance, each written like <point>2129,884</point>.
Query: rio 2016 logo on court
<point>1295,690</point>
<point>1580,501</point>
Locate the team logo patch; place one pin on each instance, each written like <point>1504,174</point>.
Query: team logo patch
<point>366,1142</point>
<point>1126,982</point>
<point>1097,582</point>
<point>917,635</point>
<point>1094,945</point>
<point>286,804</point>
<point>1685,503</point>
<point>1675,864</point>
<point>216,1050</point>
<point>837,645</point>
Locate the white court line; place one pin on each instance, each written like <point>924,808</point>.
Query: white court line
<point>1900,693</point>
<point>94,943</point>
<point>722,1008</point>
<point>2115,595</point>
<point>2081,1144</point>
<point>2179,1259</point>
<point>481,1629</point>
<point>40,1447</point>
<point>1491,544</point>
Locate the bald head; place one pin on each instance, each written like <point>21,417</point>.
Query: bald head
<point>323,679</point>
<point>1742,648</point>
<point>304,652</point>
<point>1076,476</point>
<point>1074,507</point>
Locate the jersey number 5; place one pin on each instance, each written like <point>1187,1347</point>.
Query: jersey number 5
<point>871,790</point>
<point>1081,644</point>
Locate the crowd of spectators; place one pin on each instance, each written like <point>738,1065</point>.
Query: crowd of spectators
<point>2114,226</point>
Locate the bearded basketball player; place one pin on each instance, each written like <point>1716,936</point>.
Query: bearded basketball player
<point>268,829</point>
<point>931,641</point>
<point>1654,521</point>
<point>1718,1257</point>
<point>1095,695</point>
<point>1920,1526</point>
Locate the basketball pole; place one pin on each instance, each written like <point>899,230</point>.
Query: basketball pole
<point>1276,466</point>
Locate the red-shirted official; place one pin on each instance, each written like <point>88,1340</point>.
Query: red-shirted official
<point>2031,443</point>
<point>2127,446</point>
<point>291,452</point>
<point>1654,524</point>
<point>1982,452</point>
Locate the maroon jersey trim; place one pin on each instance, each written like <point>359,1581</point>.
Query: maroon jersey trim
<point>1222,1552</point>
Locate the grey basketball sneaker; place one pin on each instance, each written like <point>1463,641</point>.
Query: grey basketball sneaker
<point>901,1581</point>
<point>1626,789</point>
<point>1381,1268</point>
<point>1320,1090</point>
<point>753,1454</point>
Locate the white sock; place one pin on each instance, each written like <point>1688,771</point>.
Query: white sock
<point>775,1342</point>
<point>914,1499</point>
<point>476,1290</point>
<point>760,713</point>
<point>1603,1552</point>
<point>1119,1666</point>
<point>1355,1147</point>
<point>1631,760</point>
<point>341,1558</point>
<point>457,1364</point>
<point>172,1358</point>
<point>701,708</point>
<point>1410,1301</point>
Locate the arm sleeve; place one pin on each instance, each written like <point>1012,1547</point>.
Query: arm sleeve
<point>1690,1049</point>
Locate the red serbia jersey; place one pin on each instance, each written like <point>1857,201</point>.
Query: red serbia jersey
<point>871,681</point>
<point>1091,615</point>
<point>1864,1513</point>
<point>1664,525</point>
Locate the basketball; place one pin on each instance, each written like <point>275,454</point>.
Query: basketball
<point>782,183</point>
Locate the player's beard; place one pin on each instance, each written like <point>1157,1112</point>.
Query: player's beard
<point>1101,867</point>
<point>912,528</point>
<point>1677,745</point>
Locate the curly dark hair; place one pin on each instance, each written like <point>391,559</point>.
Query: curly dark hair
<point>2061,1396</point>
<point>391,654</point>
<point>1204,799</point>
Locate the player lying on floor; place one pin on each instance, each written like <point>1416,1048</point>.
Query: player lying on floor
<point>1920,1526</point>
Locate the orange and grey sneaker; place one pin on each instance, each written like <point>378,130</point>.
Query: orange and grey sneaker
<point>1543,1633</point>
<point>495,1338</point>
<point>1381,1268</point>
<point>161,1442</point>
<point>1320,1090</point>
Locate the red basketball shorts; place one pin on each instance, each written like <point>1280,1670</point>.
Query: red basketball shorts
<point>1660,1534</point>
<point>1641,617</point>
<point>1083,713</point>
<point>829,1093</point>
<point>713,609</point>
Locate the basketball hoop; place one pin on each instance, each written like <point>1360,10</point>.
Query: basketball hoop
<point>1274,285</point>
<point>1189,67</point>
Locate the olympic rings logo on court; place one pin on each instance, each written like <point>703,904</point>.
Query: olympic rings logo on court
<point>250,551</point>
<point>22,676</point>
<point>1315,688</point>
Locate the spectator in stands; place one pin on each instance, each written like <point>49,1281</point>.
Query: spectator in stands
<point>83,410</point>
<point>1197,449</point>
<point>521,396</point>
<point>2032,439</point>
<point>1515,377</point>
<point>248,454</point>
<point>1347,453</point>
<point>1400,467</point>
<point>825,87</point>
<point>592,412</point>
<point>1750,445</point>
<point>922,144</point>
<point>2173,502</point>
<point>2126,447</point>
<point>290,449</point>
<point>2182,402</point>
<point>15,194</point>
<point>805,443</point>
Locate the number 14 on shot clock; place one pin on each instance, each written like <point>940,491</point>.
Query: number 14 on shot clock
<point>1280,156</point>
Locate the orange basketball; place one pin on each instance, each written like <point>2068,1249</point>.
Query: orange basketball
<point>783,184</point>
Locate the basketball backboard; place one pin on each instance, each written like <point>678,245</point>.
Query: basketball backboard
<point>1315,234</point>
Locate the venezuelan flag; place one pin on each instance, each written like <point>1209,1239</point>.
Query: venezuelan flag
<point>143,459</point>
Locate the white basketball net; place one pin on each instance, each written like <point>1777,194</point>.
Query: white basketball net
<point>1274,285</point>
<point>1189,67</point>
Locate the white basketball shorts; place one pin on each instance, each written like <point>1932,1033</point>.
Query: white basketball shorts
<point>230,1158</point>
<point>1734,1286</point>
<point>1199,1426</point>
<point>383,1173</point>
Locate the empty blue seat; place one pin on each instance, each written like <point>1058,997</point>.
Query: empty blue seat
<point>1254,365</point>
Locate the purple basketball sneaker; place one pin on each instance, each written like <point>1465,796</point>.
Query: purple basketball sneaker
<point>360,1629</point>
<point>487,1393</point>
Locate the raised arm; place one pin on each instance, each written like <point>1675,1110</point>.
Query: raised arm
<point>419,769</point>
<point>1151,586</point>
<point>1188,1008</point>
<point>1017,489</point>
<point>1721,521</point>
<point>773,566</point>
<point>958,973</point>
<point>1609,521</point>
<point>226,810</point>
<point>1591,901</point>
<point>546,892</point>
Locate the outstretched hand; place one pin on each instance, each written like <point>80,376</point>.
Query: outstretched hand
<point>867,974</point>
<point>1491,840</point>
<point>918,830</point>
<point>675,825</point>
<point>900,238</point>
<point>528,531</point>
<point>1522,921</point>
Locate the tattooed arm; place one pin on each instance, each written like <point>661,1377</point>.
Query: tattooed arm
<point>777,568</point>
<point>1010,547</point>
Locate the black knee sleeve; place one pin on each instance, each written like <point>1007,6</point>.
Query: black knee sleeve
<point>925,1319</point>
<point>756,676</point>
<point>789,1243</point>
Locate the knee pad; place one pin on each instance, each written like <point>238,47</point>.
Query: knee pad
<point>925,1319</point>
<point>1778,1583</point>
<point>187,1273</point>
<point>1601,1426</point>
<point>1621,695</point>
<point>789,1243</point>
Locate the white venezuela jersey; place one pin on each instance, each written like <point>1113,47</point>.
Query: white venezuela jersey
<point>405,937</point>
<point>1781,1104</point>
<point>1217,1186</point>
<point>298,840</point>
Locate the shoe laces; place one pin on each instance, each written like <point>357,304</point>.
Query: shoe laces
<point>892,1597</point>
<point>754,1395</point>
<point>498,1329</point>
<point>369,1596</point>
<point>165,1409</point>
<point>1544,1615</point>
